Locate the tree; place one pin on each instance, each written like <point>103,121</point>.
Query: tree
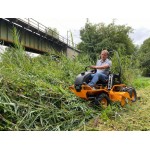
<point>144,57</point>
<point>96,37</point>
<point>53,32</point>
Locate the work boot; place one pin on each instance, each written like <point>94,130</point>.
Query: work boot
<point>93,88</point>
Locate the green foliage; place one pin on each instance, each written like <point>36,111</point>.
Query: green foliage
<point>53,32</point>
<point>96,37</point>
<point>141,82</point>
<point>127,65</point>
<point>144,57</point>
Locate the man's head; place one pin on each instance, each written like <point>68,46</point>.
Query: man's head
<point>104,55</point>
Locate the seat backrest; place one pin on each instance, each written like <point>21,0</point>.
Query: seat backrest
<point>113,79</point>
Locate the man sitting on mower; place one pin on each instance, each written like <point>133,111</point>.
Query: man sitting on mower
<point>103,67</point>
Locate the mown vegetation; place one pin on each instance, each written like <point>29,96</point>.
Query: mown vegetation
<point>34,93</point>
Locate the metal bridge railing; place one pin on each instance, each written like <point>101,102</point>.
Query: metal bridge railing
<point>44,29</point>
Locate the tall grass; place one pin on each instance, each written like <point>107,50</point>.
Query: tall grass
<point>129,68</point>
<point>34,92</point>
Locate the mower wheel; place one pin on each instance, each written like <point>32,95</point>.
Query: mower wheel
<point>133,94</point>
<point>102,100</point>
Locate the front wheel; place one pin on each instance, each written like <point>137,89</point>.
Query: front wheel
<point>102,100</point>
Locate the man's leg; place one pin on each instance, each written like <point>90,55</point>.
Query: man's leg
<point>97,76</point>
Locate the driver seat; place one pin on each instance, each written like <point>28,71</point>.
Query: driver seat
<point>112,80</point>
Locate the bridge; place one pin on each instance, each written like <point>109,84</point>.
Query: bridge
<point>35,37</point>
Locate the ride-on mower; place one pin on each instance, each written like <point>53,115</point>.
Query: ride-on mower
<point>112,90</point>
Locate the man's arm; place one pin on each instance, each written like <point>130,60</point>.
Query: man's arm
<point>100,67</point>
<point>108,64</point>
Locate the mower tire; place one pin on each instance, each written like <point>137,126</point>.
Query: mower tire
<point>102,100</point>
<point>132,94</point>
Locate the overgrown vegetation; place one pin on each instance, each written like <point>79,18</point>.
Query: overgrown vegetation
<point>34,92</point>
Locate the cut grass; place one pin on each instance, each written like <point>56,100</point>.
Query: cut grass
<point>34,93</point>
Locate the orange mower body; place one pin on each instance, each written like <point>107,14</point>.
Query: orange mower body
<point>119,93</point>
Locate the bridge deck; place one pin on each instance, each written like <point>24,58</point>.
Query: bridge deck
<point>33,35</point>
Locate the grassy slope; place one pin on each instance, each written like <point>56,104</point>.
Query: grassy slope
<point>34,93</point>
<point>134,117</point>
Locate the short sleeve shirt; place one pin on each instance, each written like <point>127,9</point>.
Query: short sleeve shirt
<point>100,63</point>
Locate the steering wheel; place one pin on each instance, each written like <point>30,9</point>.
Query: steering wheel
<point>93,70</point>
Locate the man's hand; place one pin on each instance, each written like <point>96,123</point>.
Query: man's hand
<point>93,67</point>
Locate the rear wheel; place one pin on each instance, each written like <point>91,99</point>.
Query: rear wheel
<point>102,100</point>
<point>133,94</point>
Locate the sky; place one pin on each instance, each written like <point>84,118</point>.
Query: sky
<point>71,15</point>
<point>127,12</point>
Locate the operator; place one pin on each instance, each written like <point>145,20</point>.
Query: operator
<point>103,67</point>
